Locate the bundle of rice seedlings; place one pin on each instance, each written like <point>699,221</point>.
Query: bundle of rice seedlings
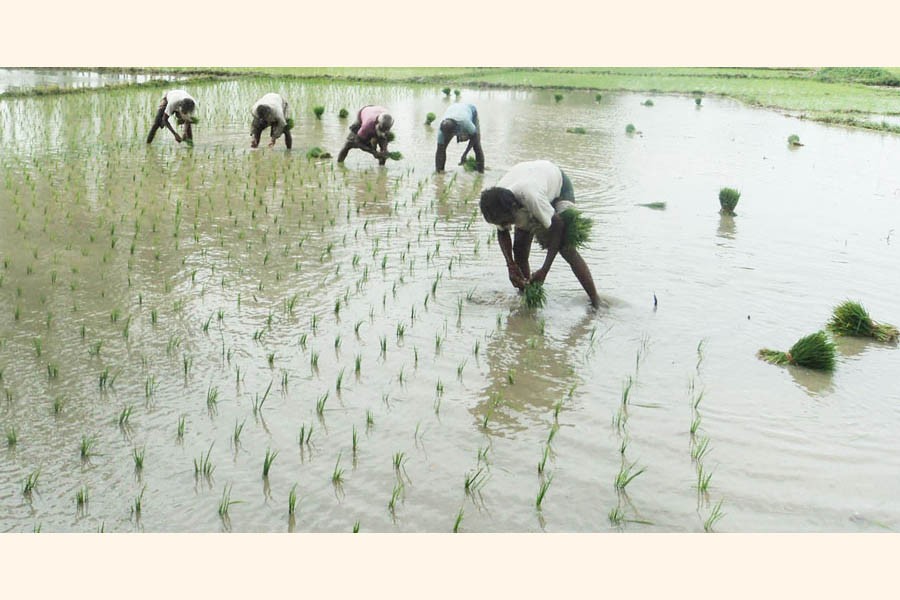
<point>851,318</point>
<point>342,114</point>
<point>598,97</point>
<point>629,128</point>
<point>446,91</point>
<point>533,296</point>
<point>698,100</point>
<point>794,140</point>
<point>647,102</point>
<point>456,93</point>
<point>429,118</point>
<point>391,136</point>
<point>471,164</point>
<point>317,152</point>
<point>395,156</point>
<point>576,233</point>
<point>194,120</point>
<point>578,228</point>
<point>289,125</point>
<point>558,97</point>
<point>728,199</point>
<point>319,111</point>
<point>580,130</point>
<point>814,351</point>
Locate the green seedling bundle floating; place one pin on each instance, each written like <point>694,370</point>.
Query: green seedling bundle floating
<point>343,114</point>
<point>429,118</point>
<point>850,318</point>
<point>728,199</point>
<point>814,351</point>
<point>319,111</point>
<point>794,140</point>
<point>630,128</point>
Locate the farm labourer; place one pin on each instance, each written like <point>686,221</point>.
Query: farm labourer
<point>461,121</point>
<point>371,128</point>
<point>271,111</point>
<point>179,103</point>
<point>538,198</point>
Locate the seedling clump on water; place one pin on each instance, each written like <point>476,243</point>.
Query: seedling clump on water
<point>534,295</point>
<point>728,199</point>
<point>429,118</point>
<point>852,319</point>
<point>794,140</point>
<point>814,351</point>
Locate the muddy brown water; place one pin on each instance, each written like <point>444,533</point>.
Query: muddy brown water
<point>101,232</point>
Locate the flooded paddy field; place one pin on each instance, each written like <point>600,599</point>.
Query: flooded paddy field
<point>171,318</point>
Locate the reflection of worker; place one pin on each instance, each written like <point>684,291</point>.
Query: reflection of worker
<point>270,111</point>
<point>532,196</point>
<point>461,121</point>
<point>179,103</point>
<point>371,128</point>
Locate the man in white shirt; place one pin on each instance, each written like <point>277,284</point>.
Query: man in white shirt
<point>271,111</point>
<point>183,106</point>
<point>532,196</point>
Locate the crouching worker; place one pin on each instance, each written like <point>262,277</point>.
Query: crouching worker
<point>271,111</point>
<point>538,199</point>
<point>460,121</point>
<point>369,133</point>
<point>179,103</point>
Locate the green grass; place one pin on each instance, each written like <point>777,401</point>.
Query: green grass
<point>814,351</point>
<point>728,199</point>
<point>850,318</point>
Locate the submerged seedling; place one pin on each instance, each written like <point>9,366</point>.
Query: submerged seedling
<point>267,462</point>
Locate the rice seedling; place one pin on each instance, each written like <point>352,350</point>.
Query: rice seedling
<point>319,111</point>
<point>86,449</point>
<point>814,351</point>
<point>542,464</point>
<point>475,480</point>
<point>398,460</point>
<point>598,97</point>
<point>703,479</point>
<point>226,502</point>
<point>30,482</point>
<point>305,435</point>
<point>203,465</point>
<point>267,462</point>
<point>395,155</point>
<point>647,102</point>
<point>630,129</point>
<point>695,425</point>
<point>337,476</point>
<point>58,404</point>
<point>370,419</point>
<point>94,348</point>
<point>396,494</point>
<point>794,140</point>
<point>446,91</point>
<point>542,491</point>
<point>181,425</point>
<point>138,455</point>
<point>236,435</point>
<point>850,318</point>
<point>81,497</point>
<point>578,130</point>
<point>314,360</point>
<point>320,404</point>
<point>558,97</point>
<point>124,415</point>
<point>429,118</point>
<point>654,205</point>
<point>212,398</point>
<point>700,449</point>
<point>343,114</point>
<point>459,518</point>
<point>292,500</point>
<point>12,436</point>
<point>728,199</point>
<point>698,100</point>
<point>714,517</point>
<point>626,475</point>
